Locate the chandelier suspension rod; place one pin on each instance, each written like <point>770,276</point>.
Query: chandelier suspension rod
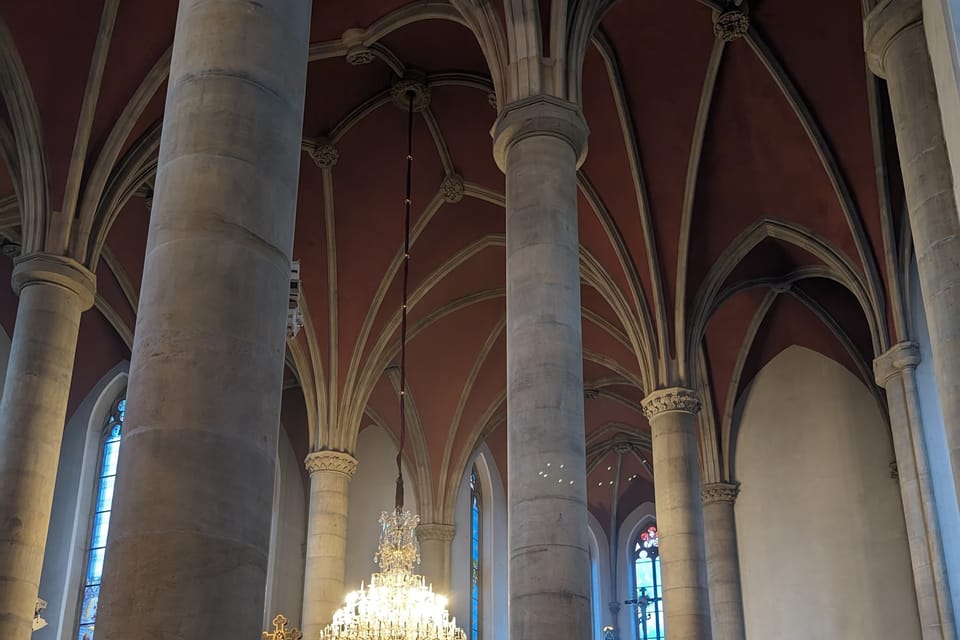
<point>403,307</point>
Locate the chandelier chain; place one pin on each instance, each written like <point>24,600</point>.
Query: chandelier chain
<point>403,307</point>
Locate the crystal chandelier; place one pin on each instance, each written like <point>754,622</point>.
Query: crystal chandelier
<point>397,604</point>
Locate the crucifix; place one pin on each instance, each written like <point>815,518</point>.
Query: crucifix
<point>642,602</point>
<point>280,631</point>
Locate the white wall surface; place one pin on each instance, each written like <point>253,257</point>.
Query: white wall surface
<point>944,489</point>
<point>372,491</point>
<point>494,564</point>
<point>288,538</point>
<point>822,541</point>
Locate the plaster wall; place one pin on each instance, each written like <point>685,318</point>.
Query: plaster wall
<point>69,531</point>
<point>820,528</point>
<point>4,356</point>
<point>494,559</point>
<point>944,489</point>
<point>288,538</point>
<point>371,492</point>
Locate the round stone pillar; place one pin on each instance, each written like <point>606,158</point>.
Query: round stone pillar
<point>436,541</point>
<point>897,50</point>
<point>538,143</point>
<point>54,291</point>
<point>323,591</point>
<point>723,561</point>
<point>187,551</point>
<point>895,371</point>
<point>676,466</point>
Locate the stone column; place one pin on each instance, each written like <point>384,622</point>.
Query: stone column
<point>538,143</point>
<point>436,547</point>
<point>723,561</point>
<point>53,291</point>
<point>323,591</point>
<point>897,50</point>
<point>895,371</point>
<point>187,552</point>
<point>673,422</point>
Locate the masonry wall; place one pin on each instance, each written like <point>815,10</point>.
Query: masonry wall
<point>822,540</point>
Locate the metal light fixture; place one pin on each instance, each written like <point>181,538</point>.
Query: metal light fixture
<point>397,604</point>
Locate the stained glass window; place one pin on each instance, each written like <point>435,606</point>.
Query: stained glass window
<point>106,477</point>
<point>649,597</point>
<point>476,506</point>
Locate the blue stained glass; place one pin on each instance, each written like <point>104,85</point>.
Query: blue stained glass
<point>111,451</point>
<point>88,610</point>
<point>106,482</point>
<point>101,522</point>
<point>475,570</point>
<point>95,566</point>
<point>105,497</point>
<point>646,569</point>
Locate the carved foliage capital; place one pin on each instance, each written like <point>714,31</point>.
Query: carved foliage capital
<point>436,531</point>
<point>333,461</point>
<point>895,360</point>
<point>720,492</point>
<point>670,400</point>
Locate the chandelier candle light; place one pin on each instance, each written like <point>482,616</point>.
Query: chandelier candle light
<point>397,604</point>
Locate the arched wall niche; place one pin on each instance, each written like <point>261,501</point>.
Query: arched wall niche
<point>944,489</point>
<point>600,576</point>
<point>640,518</point>
<point>67,537</point>
<point>288,537</point>
<point>495,556</point>
<point>821,536</point>
<point>371,493</point>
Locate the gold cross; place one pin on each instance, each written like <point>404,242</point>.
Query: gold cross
<point>280,631</point>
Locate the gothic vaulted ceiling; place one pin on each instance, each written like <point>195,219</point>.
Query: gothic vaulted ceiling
<point>738,197</point>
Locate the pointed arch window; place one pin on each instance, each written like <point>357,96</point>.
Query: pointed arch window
<point>648,589</point>
<point>476,540</point>
<point>100,521</point>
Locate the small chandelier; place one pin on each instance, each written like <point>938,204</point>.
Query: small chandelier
<point>397,604</point>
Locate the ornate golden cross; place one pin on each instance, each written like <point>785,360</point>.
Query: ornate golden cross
<point>280,631</point>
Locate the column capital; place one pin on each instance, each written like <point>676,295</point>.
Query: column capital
<point>674,399</point>
<point>720,492</point>
<point>46,268</point>
<point>335,461</point>
<point>539,116</point>
<point>436,531</point>
<point>888,20</point>
<point>897,358</point>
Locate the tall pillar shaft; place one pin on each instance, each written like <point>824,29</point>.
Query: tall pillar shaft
<point>436,550</point>
<point>53,292</point>
<point>676,465</point>
<point>323,591</point>
<point>187,551</point>
<point>538,143</point>
<point>723,561</point>
<point>897,50</point>
<point>896,372</point>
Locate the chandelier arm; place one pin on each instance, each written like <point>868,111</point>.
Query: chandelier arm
<point>403,307</point>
